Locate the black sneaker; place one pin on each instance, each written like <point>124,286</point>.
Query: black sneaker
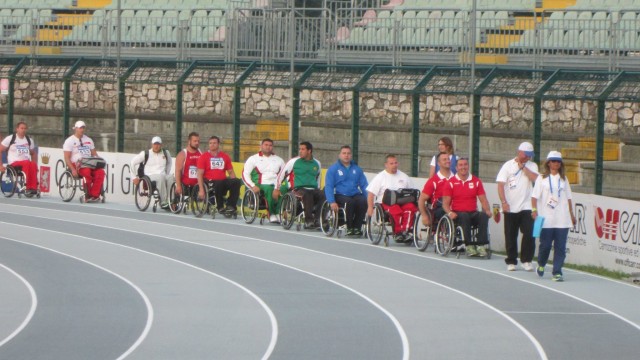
<point>228,210</point>
<point>357,232</point>
<point>310,225</point>
<point>350,232</point>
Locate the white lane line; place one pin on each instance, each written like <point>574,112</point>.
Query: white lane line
<point>134,286</point>
<point>620,317</point>
<point>556,313</point>
<point>272,318</point>
<point>396,323</point>
<point>32,308</point>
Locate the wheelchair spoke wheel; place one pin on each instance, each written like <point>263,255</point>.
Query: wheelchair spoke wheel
<point>422,235</point>
<point>328,219</point>
<point>8,180</point>
<point>200,205</point>
<point>288,211</point>
<point>444,236</point>
<point>67,186</point>
<point>175,201</point>
<point>376,228</point>
<point>143,193</point>
<point>249,208</point>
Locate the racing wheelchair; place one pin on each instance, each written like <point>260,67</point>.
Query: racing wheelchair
<point>292,210</point>
<point>423,235</point>
<point>180,202</point>
<point>13,181</point>
<point>253,206</point>
<point>68,184</point>
<point>380,224</point>
<point>450,237</point>
<point>144,192</point>
<point>209,204</point>
<point>334,222</point>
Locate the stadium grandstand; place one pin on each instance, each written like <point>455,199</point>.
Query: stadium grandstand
<point>526,33</point>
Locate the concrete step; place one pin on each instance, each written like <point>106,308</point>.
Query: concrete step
<point>590,154</point>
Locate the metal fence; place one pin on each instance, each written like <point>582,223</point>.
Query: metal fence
<point>579,38</point>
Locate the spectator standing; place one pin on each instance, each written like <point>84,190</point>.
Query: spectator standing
<point>444,145</point>
<point>551,199</point>
<point>515,183</point>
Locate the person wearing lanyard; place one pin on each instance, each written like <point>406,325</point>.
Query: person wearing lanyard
<point>551,199</point>
<point>515,182</point>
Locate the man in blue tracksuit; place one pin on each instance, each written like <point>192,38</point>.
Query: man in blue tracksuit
<point>345,183</point>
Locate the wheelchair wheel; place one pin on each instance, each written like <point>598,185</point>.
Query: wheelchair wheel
<point>328,219</point>
<point>376,228</point>
<point>250,206</point>
<point>422,235</point>
<point>143,193</point>
<point>67,186</point>
<point>9,181</point>
<point>444,236</point>
<point>200,206</point>
<point>175,200</point>
<point>288,210</point>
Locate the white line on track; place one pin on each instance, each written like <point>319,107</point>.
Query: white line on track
<point>529,335</point>
<point>272,318</point>
<point>32,308</point>
<point>396,323</point>
<point>556,313</point>
<point>144,297</point>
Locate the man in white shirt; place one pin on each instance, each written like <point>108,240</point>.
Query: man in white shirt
<point>261,172</point>
<point>77,147</point>
<point>515,183</point>
<point>156,164</point>
<point>21,152</point>
<point>393,179</point>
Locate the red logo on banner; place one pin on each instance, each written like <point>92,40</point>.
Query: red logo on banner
<point>607,227</point>
<point>45,178</point>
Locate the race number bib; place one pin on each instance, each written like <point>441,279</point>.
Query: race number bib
<point>217,164</point>
<point>84,150</point>
<point>512,181</point>
<point>193,172</point>
<point>553,202</point>
<point>22,149</point>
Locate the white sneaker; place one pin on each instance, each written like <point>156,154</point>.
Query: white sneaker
<point>511,267</point>
<point>527,266</point>
<point>274,218</point>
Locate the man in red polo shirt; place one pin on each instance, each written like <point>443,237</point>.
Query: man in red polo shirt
<point>431,194</point>
<point>460,202</point>
<point>213,166</point>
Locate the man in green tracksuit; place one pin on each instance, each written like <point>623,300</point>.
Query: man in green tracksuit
<point>302,173</point>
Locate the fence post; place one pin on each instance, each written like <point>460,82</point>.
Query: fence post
<point>355,125</point>
<point>415,133</point>
<point>66,106</point>
<point>12,96</point>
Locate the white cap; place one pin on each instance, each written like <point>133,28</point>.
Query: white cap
<point>156,139</point>
<point>554,155</point>
<point>79,124</point>
<point>527,148</point>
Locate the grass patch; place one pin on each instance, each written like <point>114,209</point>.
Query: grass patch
<point>599,270</point>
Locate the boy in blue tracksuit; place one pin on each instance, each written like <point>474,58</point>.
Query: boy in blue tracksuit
<point>345,183</point>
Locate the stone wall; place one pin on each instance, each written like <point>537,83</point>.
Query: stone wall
<point>451,111</point>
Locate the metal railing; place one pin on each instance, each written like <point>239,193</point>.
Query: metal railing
<point>401,36</point>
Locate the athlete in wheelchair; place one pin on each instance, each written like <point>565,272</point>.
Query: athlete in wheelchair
<point>302,199</point>
<point>463,224</point>
<point>21,175</point>
<point>392,205</point>
<point>151,170</point>
<point>430,204</point>
<point>259,175</point>
<point>85,169</point>
<point>213,183</point>
<point>345,190</point>
<point>186,176</point>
